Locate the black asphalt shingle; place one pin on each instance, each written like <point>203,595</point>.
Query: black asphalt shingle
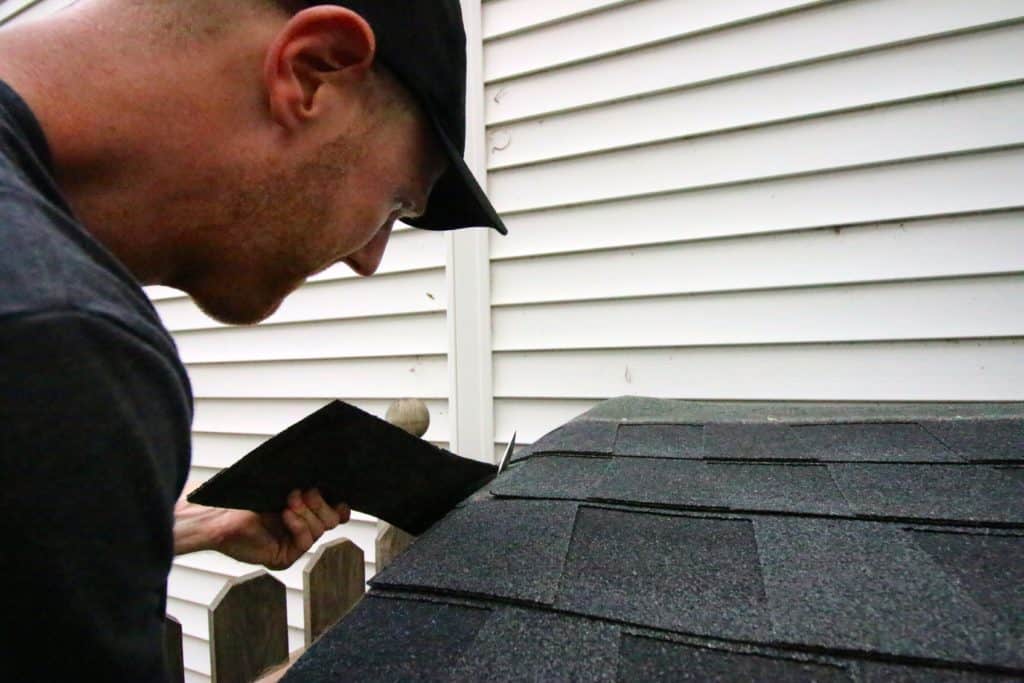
<point>552,476</point>
<point>655,540</point>
<point>526,645</point>
<point>673,483</point>
<point>507,549</point>
<point>969,493</point>
<point>873,442</point>
<point>1015,473</point>
<point>647,410</point>
<point>866,586</point>
<point>398,640</point>
<point>876,672</point>
<point>695,574</point>
<point>660,661</point>
<point>982,440</point>
<point>988,566</point>
<point>660,441</point>
<point>354,457</point>
<point>736,486</point>
<point>578,436</point>
<point>752,441</point>
<point>912,492</point>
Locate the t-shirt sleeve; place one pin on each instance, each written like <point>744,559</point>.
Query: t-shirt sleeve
<point>94,448</point>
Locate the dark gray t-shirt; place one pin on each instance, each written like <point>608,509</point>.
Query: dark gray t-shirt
<point>95,410</point>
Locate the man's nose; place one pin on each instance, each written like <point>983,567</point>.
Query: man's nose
<point>367,259</point>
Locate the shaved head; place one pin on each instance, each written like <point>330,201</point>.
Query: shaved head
<point>203,20</point>
<point>170,23</point>
<point>198,24</point>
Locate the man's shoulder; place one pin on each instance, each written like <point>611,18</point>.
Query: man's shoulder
<point>48,263</point>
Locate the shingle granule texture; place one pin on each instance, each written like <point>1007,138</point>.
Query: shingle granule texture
<point>655,540</point>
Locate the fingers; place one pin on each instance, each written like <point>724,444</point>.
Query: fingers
<point>308,516</point>
<point>302,537</point>
<point>313,527</point>
<point>327,515</point>
<point>344,512</point>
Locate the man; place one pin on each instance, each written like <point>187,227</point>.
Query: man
<point>229,148</point>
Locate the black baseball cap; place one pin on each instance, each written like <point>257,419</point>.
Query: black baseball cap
<point>423,43</point>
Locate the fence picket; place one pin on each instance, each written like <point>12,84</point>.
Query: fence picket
<point>333,582</point>
<point>248,628</point>
<point>173,651</point>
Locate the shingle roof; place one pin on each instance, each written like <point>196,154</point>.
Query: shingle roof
<point>671,541</point>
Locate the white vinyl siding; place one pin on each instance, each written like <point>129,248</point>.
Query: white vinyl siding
<point>756,199</point>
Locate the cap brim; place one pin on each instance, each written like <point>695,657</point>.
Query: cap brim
<point>457,200</point>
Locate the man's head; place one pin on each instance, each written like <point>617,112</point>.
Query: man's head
<point>233,148</point>
<point>339,151</point>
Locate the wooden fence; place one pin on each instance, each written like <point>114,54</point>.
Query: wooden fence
<point>249,617</point>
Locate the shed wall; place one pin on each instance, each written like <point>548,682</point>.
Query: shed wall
<point>759,199</point>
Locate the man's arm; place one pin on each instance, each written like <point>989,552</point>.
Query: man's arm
<point>273,540</point>
<point>94,439</point>
<point>94,430</point>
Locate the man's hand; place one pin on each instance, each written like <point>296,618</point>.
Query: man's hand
<point>271,539</point>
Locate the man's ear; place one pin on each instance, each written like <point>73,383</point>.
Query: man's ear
<point>313,48</point>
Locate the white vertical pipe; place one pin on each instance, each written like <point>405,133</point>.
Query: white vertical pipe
<point>471,399</point>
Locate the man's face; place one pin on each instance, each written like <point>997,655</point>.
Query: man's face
<point>334,200</point>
